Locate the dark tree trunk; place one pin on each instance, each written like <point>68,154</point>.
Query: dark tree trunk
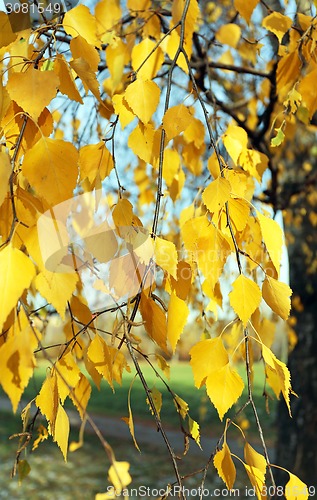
<point>297,436</point>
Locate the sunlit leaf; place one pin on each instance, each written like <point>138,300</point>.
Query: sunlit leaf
<point>272,235</point>
<point>295,489</point>
<point>245,297</point>
<point>155,321</point>
<point>177,315</point>
<point>5,172</point>
<point>176,120</point>
<point>224,387</point>
<point>33,90</point>
<point>166,255</point>
<point>153,63</point>
<point>143,97</point>
<point>278,24</point>
<point>225,466</point>
<point>277,296</point>
<point>207,356</point>
<point>61,432</point>
<point>56,288</point>
<point>119,476</point>
<point>79,21</point>
<point>51,168</point>
<point>216,194</point>
<point>17,272</point>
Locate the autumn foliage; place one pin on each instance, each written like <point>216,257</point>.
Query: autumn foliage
<point>120,148</point>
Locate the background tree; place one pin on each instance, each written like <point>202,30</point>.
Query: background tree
<point>146,149</point>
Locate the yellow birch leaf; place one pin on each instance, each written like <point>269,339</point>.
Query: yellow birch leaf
<point>165,254</point>
<point>17,361</point>
<point>143,98</point>
<point>61,432</point>
<point>278,375</point>
<point>278,24</point>
<point>91,369</point>
<point>136,5</point>
<point>5,172</point>
<point>272,236</point>
<point>107,360</point>
<point>171,47</point>
<point>56,288</point>
<point>287,73</point>
<point>176,120</point>
<point>194,430</point>
<point>184,279</point>
<point>224,387</point>
<point>229,34</point>
<point>47,400</point>
<point>80,395</point>
<point>155,321</point>
<point>80,21</point>
<point>248,160</point>
<point>95,159</point>
<point>295,489</point>
<point>6,34</point>
<point>216,194</point>
<point>81,48</point>
<point>171,165</point>
<point>245,298</point>
<point>277,296</point>
<point>190,21</point>
<point>87,76</point>
<point>123,213</point>
<point>129,420</point>
<point>67,375</point>
<point>117,56</point>
<point>163,365</point>
<point>293,100</point>
<point>177,185</point>
<point>33,90</point>
<point>256,479</point>
<point>152,65</point>
<point>157,400</point>
<point>225,466</point>
<point>181,406</point>
<point>213,166</point>
<point>145,142</point>
<point>67,85</point>
<point>4,100</point>
<point>207,356</point>
<point>215,296</point>
<point>51,168</point>
<point>119,476</point>
<point>177,315</point>
<point>195,132</point>
<point>239,211</point>
<point>235,140</point>
<point>245,9</point>
<point>42,436</point>
<point>17,272</point>
<point>306,88</point>
<point>107,14</point>
<point>122,109</point>
<point>256,468</point>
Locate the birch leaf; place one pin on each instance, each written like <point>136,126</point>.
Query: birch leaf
<point>143,98</point>
<point>245,298</point>
<point>277,296</point>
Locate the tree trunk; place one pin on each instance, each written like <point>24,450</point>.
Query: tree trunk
<point>297,436</point>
